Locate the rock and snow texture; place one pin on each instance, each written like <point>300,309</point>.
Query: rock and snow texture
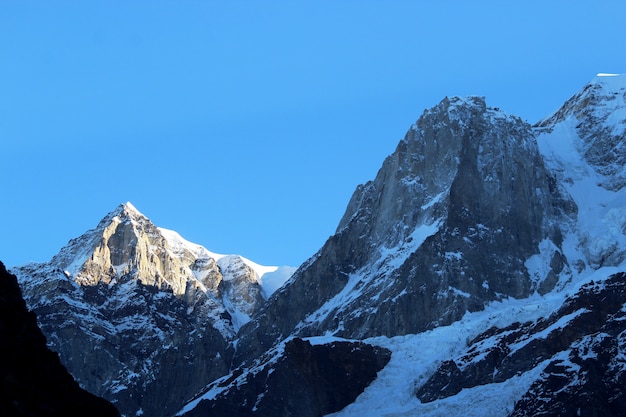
<point>487,256</point>
<point>141,316</point>
<point>34,382</point>
<point>447,225</point>
<point>303,378</point>
<point>584,144</point>
<point>593,122</point>
<point>517,357</point>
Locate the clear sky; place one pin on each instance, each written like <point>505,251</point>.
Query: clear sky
<point>246,125</point>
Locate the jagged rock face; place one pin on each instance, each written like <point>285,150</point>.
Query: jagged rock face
<point>305,380</point>
<point>239,289</point>
<point>481,160</point>
<point>133,344</point>
<point>579,351</point>
<point>34,383</point>
<point>447,224</point>
<point>139,315</point>
<point>599,110</point>
<point>127,246</point>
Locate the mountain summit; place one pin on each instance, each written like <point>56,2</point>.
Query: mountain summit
<point>597,114</point>
<point>446,226</point>
<point>127,299</point>
<point>477,256</point>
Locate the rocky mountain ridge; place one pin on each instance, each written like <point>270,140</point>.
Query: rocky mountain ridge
<point>447,225</point>
<point>579,348</point>
<point>141,316</point>
<point>472,276</point>
<point>476,211</point>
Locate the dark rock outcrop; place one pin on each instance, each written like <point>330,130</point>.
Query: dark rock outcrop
<point>32,380</point>
<point>305,380</point>
<point>580,349</point>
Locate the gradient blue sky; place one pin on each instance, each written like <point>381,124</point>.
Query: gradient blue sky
<point>246,125</point>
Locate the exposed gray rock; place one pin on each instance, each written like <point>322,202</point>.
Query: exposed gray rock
<point>447,225</point>
<point>139,315</point>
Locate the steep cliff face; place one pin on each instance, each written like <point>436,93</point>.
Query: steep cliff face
<point>138,314</point>
<point>33,382</point>
<point>447,225</point>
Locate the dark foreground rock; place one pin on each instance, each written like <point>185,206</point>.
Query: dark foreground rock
<point>32,380</point>
<point>306,381</point>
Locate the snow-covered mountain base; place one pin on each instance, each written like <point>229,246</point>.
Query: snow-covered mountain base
<point>461,354</point>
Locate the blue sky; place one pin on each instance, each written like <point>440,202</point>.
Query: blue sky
<point>246,125</point>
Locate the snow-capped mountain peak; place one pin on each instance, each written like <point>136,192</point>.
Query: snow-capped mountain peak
<point>143,296</point>
<point>595,119</point>
<point>584,145</point>
<point>130,208</point>
<point>270,278</point>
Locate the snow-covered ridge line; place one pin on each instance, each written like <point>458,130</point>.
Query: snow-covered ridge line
<point>178,243</point>
<point>269,277</point>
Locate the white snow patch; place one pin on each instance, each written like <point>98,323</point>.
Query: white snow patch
<point>416,357</point>
<point>559,324</point>
<point>458,292</point>
<point>274,279</point>
<point>538,265</point>
<point>269,277</point>
<point>601,222</point>
<point>434,201</point>
<point>325,339</point>
<point>180,244</point>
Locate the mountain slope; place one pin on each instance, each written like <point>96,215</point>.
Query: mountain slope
<point>447,225</point>
<point>583,144</point>
<point>138,314</point>
<point>595,120</point>
<point>461,258</point>
<point>568,353</point>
